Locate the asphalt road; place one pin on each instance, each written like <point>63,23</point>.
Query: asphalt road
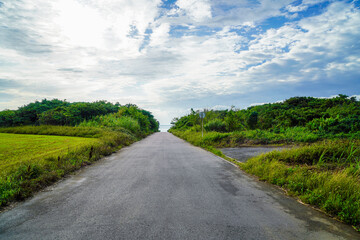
<point>164,188</point>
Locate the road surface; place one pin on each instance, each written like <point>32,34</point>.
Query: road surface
<point>164,188</point>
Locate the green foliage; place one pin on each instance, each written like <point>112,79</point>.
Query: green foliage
<point>76,112</point>
<point>233,121</point>
<point>335,125</point>
<point>128,118</point>
<point>111,121</point>
<point>303,119</point>
<point>62,113</point>
<point>7,118</point>
<point>55,112</point>
<point>215,125</point>
<point>144,118</point>
<point>252,120</point>
<point>28,114</point>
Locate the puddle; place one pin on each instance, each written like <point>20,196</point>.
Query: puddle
<point>242,154</point>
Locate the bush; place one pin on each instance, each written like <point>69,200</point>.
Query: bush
<point>215,125</point>
<point>335,125</point>
<point>113,122</point>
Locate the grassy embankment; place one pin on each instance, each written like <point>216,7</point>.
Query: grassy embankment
<point>30,162</point>
<point>325,174</point>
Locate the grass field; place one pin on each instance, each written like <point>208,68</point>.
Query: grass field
<point>17,149</point>
<point>33,157</point>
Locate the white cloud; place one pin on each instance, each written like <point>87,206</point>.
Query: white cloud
<point>160,35</point>
<point>79,24</point>
<point>126,51</point>
<point>198,10</point>
<point>298,8</point>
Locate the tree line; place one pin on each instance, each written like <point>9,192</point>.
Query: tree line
<point>340,114</point>
<point>61,112</point>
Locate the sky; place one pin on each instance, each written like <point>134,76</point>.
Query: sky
<point>172,55</point>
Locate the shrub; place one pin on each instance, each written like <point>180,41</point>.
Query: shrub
<point>215,125</point>
<point>113,122</point>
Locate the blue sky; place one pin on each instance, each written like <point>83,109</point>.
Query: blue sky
<point>170,56</point>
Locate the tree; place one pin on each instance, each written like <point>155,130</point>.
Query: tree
<point>252,120</point>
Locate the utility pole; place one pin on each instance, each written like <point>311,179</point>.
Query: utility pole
<point>202,116</point>
<point>202,127</point>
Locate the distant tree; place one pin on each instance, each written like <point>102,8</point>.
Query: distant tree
<point>7,118</point>
<point>252,120</point>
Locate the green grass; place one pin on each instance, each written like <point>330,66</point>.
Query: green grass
<point>88,132</point>
<point>17,149</point>
<point>29,163</point>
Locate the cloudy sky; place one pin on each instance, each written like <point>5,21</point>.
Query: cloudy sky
<point>169,56</point>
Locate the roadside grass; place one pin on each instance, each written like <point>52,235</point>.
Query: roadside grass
<point>38,161</point>
<point>325,174</point>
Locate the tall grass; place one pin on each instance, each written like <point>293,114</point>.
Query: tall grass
<point>111,121</point>
<point>339,153</point>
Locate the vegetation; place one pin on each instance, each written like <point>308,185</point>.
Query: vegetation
<point>45,163</point>
<point>92,130</point>
<point>323,170</point>
<point>337,117</point>
<point>130,117</point>
<point>55,112</point>
<point>17,149</point>
<point>248,137</point>
<point>88,132</point>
